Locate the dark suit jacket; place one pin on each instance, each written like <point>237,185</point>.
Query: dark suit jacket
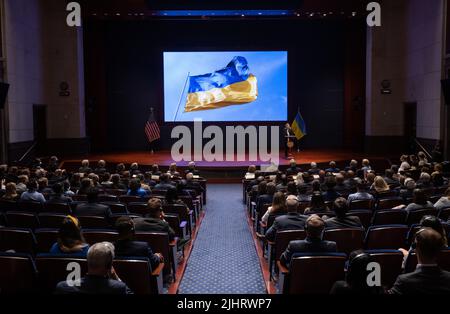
<point>345,222</point>
<point>164,186</point>
<point>293,171</point>
<point>59,199</point>
<point>136,248</point>
<point>92,209</point>
<point>424,280</point>
<point>307,246</point>
<point>290,221</point>
<point>94,285</point>
<point>153,225</point>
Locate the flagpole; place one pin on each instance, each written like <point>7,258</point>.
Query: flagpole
<point>181,97</point>
<point>152,116</point>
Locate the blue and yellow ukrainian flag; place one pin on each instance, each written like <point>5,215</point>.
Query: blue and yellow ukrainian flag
<point>232,85</point>
<point>299,126</point>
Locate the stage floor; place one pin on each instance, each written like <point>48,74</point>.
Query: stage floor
<point>164,158</point>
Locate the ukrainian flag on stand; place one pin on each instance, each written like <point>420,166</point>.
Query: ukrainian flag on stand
<point>232,85</point>
<point>299,126</point>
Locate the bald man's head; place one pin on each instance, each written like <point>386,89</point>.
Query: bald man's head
<point>291,204</point>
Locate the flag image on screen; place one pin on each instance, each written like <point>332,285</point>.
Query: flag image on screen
<point>225,86</point>
<point>232,85</point>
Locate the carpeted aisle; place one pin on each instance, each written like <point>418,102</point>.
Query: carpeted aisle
<point>224,258</point>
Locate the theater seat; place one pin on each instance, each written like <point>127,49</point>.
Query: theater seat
<point>282,239</point>
<point>117,208</point>
<point>50,220</point>
<point>389,203</point>
<point>347,239</point>
<point>138,275</point>
<point>129,199</point>
<point>312,273</point>
<point>391,265</point>
<point>45,239</point>
<point>361,204</point>
<point>93,222</point>
<point>32,207</point>
<point>18,240</point>
<point>386,237</point>
<point>22,220</point>
<point>53,268</point>
<point>8,206</point>
<point>96,236</point>
<point>389,217</point>
<point>137,208</point>
<point>365,216</point>
<point>17,273</point>
<point>159,242</point>
<point>57,208</point>
<point>414,216</point>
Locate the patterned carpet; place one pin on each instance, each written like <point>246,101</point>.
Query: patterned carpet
<point>224,258</point>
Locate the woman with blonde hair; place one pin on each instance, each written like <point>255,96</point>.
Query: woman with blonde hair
<point>380,185</point>
<point>10,192</point>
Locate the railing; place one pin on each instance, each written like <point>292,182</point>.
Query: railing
<point>423,148</point>
<point>27,152</point>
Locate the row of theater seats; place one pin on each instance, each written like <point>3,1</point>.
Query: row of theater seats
<point>303,276</point>
<point>22,273</point>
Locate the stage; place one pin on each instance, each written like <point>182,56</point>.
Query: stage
<point>224,171</point>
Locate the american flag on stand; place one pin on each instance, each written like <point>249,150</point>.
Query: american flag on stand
<point>152,129</point>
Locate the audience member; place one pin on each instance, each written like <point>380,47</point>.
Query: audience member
<point>154,220</point>
<point>342,219</point>
<point>70,239</point>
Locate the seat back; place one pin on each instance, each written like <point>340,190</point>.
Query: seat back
<point>22,220</point>
<point>389,217</point>
<point>116,207</point>
<point>159,242</point>
<point>306,279</point>
<point>361,204</point>
<point>8,205</point>
<point>390,262</point>
<point>282,239</point>
<point>136,273</point>
<point>45,239</point>
<point>388,203</point>
<point>415,216</point>
<point>52,269</point>
<point>107,198</point>
<point>34,207</point>
<point>365,216</point>
<point>347,239</point>
<point>94,222</point>
<point>18,240</point>
<point>97,236</point>
<point>178,209</point>
<point>138,208</point>
<point>57,208</point>
<point>386,237</point>
<point>50,220</point>
<point>129,199</point>
<point>18,273</point>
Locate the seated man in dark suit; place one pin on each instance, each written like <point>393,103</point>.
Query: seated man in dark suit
<point>191,169</point>
<point>58,196</point>
<point>164,183</point>
<point>291,221</point>
<point>293,170</point>
<point>428,278</point>
<point>92,208</point>
<point>125,246</point>
<point>154,220</point>
<point>340,208</point>
<point>85,167</point>
<point>190,184</point>
<point>101,277</point>
<point>312,244</point>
